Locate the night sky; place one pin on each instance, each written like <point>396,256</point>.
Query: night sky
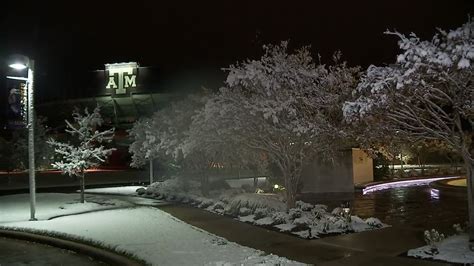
<point>71,37</point>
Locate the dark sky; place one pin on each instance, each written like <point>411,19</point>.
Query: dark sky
<point>68,37</point>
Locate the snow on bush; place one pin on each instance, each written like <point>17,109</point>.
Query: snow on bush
<point>245,211</point>
<point>305,220</point>
<point>206,203</point>
<point>141,191</point>
<point>254,201</point>
<point>261,212</point>
<point>304,206</point>
<point>217,207</point>
<point>280,217</point>
<point>295,213</point>
<point>374,222</point>
<point>265,221</point>
<point>174,186</point>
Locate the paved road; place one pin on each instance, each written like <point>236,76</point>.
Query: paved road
<point>19,252</point>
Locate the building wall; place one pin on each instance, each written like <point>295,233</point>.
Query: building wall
<point>362,167</point>
<point>327,177</point>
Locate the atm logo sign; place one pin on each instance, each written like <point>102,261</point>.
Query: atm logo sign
<point>122,77</point>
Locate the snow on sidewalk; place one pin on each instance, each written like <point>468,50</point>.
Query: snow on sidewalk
<point>156,237</point>
<point>16,207</point>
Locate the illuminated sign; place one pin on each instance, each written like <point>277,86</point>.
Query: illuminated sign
<point>121,77</point>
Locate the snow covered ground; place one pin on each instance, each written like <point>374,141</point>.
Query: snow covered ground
<point>147,232</point>
<point>453,249</point>
<point>16,207</point>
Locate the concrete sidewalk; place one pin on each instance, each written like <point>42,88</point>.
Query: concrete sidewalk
<point>378,247</point>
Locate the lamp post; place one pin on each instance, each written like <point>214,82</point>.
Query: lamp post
<point>19,62</point>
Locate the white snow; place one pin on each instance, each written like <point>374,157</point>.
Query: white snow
<point>155,237</point>
<point>16,207</point>
<point>127,190</point>
<point>147,232</point>
<point>453,249</point>
<point>285,227</point>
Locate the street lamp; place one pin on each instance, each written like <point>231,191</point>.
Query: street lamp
<point>20,62</point>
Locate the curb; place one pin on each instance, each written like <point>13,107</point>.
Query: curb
<point>105,256</point>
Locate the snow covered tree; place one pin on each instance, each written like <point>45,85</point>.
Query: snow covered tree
<point>139,133</point>
<point>285,106</point>
<point>87,150</point>
<point>164,135</point>
<point>427,94</point>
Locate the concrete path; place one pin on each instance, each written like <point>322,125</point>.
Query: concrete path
<point>378,247</point>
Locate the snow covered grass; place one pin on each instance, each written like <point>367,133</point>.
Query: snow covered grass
<point>454,249</point>
<point>16,207</point>
<point>269,210</point>
<point>126,190</point>
<point>148,233</point>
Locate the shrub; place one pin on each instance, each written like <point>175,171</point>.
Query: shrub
<point>141,191</point>
<point>245,211</point>
<point>280,217</point>
<point>374,222</point>
<point>261,213</point>
<point>294,213</point>
<point>304,206</point>
<point>432,238</point>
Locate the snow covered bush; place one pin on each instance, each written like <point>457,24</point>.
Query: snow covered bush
<point>295,213</point>
<point>280,217</point>
<point>141,191</point>
<point>244,211</point>
<point>174,186</point>
<point>432,238</point>
<point>304,206</point>
<point>459,229</point>
<point>253,201</point>
<point>374,222</point>
<point>260,213</point>
<point>206,203</point>
<point>318,212</point>
<point>87,151</point>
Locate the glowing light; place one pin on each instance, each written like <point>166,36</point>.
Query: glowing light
<point>276,186</point>
<point>403,183</point>
<point>18,66</point>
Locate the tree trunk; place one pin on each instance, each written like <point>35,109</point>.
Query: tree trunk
<point>470,200</point>
<point>290,192</point>
<point>82,187</point>
<point>204,185</point>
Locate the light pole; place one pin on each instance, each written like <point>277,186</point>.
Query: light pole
<point>19,62</point>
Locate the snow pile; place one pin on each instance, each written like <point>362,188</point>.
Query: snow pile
<point>127,190</point>
<point>153,236</point>
<point>16,207</point>
<point>453,249</point>
<point>269,210</point>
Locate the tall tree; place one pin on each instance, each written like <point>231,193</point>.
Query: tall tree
<point>285,106</point>
<point>427,94</point>
<point>87,150</point>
